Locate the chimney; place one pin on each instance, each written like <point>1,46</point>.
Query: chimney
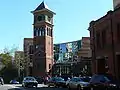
<point>116,4</point>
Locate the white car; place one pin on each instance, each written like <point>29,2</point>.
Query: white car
<point>77,83</point>
<point>29,81</point>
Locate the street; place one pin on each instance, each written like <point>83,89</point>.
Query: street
<point>19,87</point>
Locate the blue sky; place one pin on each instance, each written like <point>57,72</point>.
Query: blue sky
<point>70,22</point>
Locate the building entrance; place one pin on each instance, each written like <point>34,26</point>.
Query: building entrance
<point>101,66</point>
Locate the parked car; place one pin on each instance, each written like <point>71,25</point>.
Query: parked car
<point>40,80</point>
<point>1,81</point>
<point>86,78</point>
<point>29,81</point>
<point>56,82</point>
<point>14,82</point>
<point>103,82</point>
<point>77,83</point>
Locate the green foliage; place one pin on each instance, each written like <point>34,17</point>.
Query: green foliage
<point>6,56</point>
<point>9,70</point>
<point>6,59</point>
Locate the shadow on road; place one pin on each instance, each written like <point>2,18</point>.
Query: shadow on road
<point>50,88</point>
<point>15,89</point>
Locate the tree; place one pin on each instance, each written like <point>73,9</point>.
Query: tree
<point>9,68</point>
<point>6,59</point>
<point>7,56</point>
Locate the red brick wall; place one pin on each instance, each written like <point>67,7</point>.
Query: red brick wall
<point>99,25</point>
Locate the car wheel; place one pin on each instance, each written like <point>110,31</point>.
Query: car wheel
<point>36,86</point>
<point>68,87</point>
<point>78,87</point>
<point>48,85</point>
<point>56,86</point>
<point>26,86</point>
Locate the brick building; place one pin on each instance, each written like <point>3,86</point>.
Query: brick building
<point>84,51</point>
<point>105,43</point>
<point>42,40</point>
<point>28,54</point>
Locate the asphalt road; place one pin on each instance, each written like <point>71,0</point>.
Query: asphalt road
<point>6,87</point>
<point>19,87</point>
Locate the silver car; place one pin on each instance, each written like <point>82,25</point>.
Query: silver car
<point>29,81</point>
<point>77,83</point>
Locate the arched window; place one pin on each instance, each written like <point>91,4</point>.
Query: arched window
<point>47,31</point>
<point>51,32</point>
<point>42,31</point>
<point>34,32</point>
<point>38,32</point>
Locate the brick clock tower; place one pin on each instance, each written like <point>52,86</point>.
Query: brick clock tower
<point>42,40</point>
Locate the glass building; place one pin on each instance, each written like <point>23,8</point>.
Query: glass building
<point>65,52</point>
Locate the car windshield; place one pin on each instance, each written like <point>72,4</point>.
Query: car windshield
<point>32,79</point>
<point>59,79</point>
<point>86,79</point>
<point>76,79</point>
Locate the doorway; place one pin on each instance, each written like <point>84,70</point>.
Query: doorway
<point>101,66</point>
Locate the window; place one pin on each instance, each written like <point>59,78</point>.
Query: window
<point>47,31</point>
<point>39,32</point>
<point>31,49</point>
<point>103,38</point>
<point>34,32</point>
<point>49,18</point>
<point>118,32</point>
<point>51,33</point>
<point>42,31</point>
<point>49,66</point>
<point>39,18</point>
<point>98,40</point>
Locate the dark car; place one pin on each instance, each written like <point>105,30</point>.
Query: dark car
<point>40,80</point>
<point>56,82</point>
<point>103,82</point>
<point>86,78</point>
<point>29,82</point>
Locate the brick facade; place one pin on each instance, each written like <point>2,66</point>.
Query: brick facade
<point>42,40</point>
<point>105,42</point>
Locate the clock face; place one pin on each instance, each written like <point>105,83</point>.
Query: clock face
<point>39,18</point>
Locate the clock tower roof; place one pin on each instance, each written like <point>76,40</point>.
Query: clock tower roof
<point>42,6</point>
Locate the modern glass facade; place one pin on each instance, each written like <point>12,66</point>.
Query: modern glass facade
<point>65,52</point>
